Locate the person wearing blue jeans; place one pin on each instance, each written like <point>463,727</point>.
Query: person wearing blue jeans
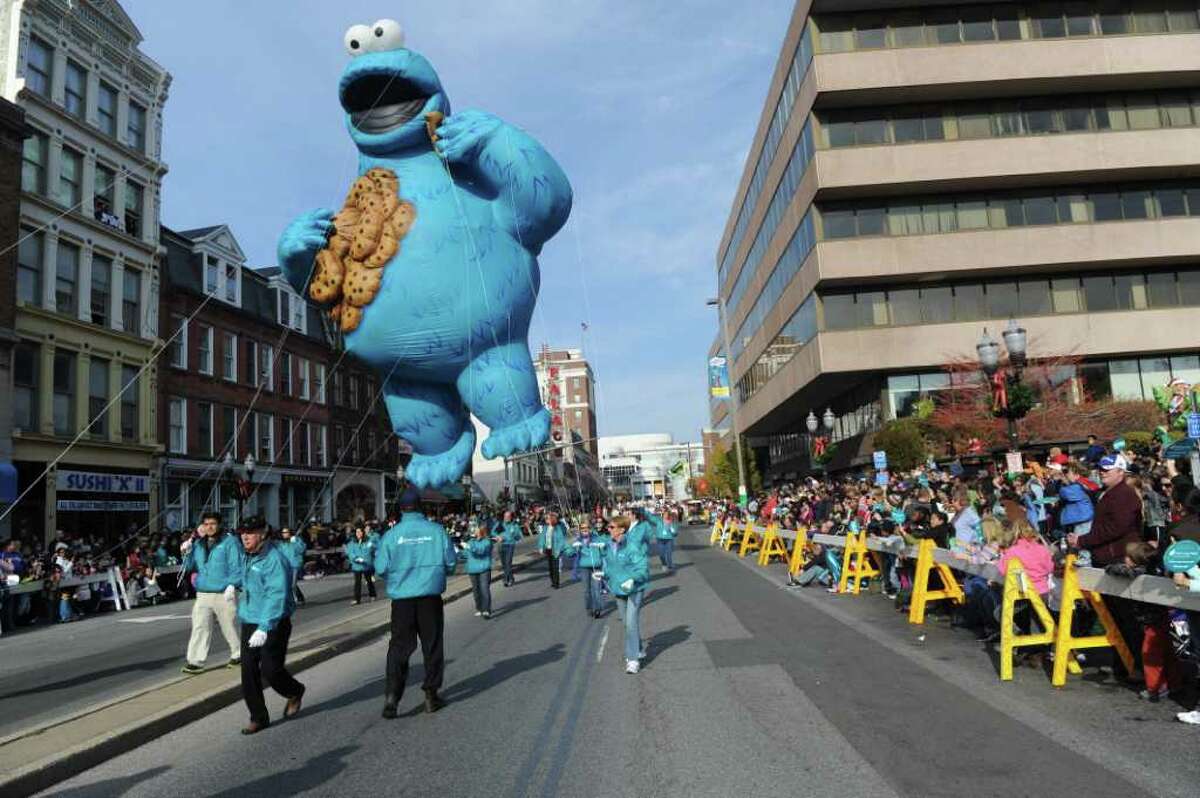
<point>666,534</point>
<point>627,571</point>
<point>590,547</point>
<point>510,534</point>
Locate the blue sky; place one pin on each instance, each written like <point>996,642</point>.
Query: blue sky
<point>649,105</point>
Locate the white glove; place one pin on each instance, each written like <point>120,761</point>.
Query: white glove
<point>186,546</point>
<point>577,544</point>
<point>230,593</point>
<point>627,585</point>
<point>598,576</point>
<point>360,559</point>
<point>257,639</point>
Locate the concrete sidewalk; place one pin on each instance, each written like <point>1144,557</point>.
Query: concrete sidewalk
<point>40,756</point>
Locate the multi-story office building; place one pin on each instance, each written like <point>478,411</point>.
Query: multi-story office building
<point>924,170</point>
<point>84,377</point>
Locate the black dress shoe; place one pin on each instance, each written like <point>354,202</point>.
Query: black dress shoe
<point>433,702</point>
<point>389,711</point>
<point>255,727</point>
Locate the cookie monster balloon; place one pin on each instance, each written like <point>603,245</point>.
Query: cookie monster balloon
<point>430,268</point>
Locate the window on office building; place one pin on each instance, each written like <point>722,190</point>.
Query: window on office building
<point>204,348</point>
<point>177,425</point>
<point>135,129</point>
<point>178,341</point>
<point>134,203</point>
<point>131,301</point>
<point>75,90</point>
<point>229,431</point>
<point>34,154</point>
<point>70,178</point>
<point>29,267</point>
<point>204,428</point>
<point>66,279</point>
<point>39,66</point>
<point>106,109</point>
<point>26,364</point>
<point>101,289</point>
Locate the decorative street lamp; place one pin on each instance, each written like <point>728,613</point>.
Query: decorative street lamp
<point>811,422</point>
<point>829,419</point>
<point>466,484</point>
<point>1003,384</point>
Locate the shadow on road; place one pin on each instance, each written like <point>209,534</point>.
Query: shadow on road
<point>513,606</point>
<point>660,593</point>
<point>664,640</point>
<point>112,788</point>
<point>86,678</point>
<point>308,776</point>
<point>503,670</point>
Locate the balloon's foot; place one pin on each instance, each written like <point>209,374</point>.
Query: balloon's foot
<point>436,470</point>
<point>520,437</point>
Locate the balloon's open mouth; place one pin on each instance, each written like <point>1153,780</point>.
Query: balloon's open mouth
<point>379,102</point>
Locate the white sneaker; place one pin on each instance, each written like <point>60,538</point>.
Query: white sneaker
<point>1191,718</point>
<point>478,613</point>
<point>632,666</point>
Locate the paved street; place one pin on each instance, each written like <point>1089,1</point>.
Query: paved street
<point>49,672</point>
<point>749,689</point>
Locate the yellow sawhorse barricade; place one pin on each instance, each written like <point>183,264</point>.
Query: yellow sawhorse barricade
<point>752,540</point>
<point>921,592</point>
<point>799,556</point>
<point>734,534</point>
<point>1065,645</point>
<point>718,532</point>
<point>773,546</point>
<point>857,563</point>
<point>1018,587</point>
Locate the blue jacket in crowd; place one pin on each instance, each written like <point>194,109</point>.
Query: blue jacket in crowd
<point>478,554</point>
<point>294,549</point>
<point>665,530</point>
<point>511,533</point>
<point>267,596</point>
<point>414,558</point>
<point>643,532</point>
<point>591,550</point>
<point>1076,504</point>
<point>217,567</point>
<point>361,550</point>
<point>553,538</point>
<point>625,561</point>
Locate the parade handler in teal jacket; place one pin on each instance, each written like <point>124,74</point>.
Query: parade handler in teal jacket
<point>478,554</point>
<point>414,559</point>
<point>590,546</point>
<point>627,571</point>
<point>266,614</point>
<point>666,532</point>
<point>552,540</point>
<point>217,560</point>
<point>510,535</point>
<point>360,552</point>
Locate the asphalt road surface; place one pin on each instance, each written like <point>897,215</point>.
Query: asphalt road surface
<point>749,690</point>
<point>46,673</point>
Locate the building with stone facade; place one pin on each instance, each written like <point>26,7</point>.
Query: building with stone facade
<point>922,171</point>
<point>87,276</point>
<point>13,132</point>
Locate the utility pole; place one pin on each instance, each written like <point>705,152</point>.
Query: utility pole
<point>733,397</point>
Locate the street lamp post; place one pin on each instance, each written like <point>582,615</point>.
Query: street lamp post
<point>719,302</point>
<point>1015,341</point>
<point>466,485</point>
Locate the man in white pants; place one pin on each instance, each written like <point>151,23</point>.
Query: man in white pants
<point>218,561</point>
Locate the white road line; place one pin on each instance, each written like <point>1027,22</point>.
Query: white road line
<point>603,640</point>
<point>153,618</point>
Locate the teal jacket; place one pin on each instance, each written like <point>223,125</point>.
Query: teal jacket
<point>591,553</point>
<point>625,561</point>
<point>294,549</point>
<point>217,567</point>
<point>360,550</point>
<point>642,533</point>
<point>267,596</point>
<point>511,533</point>
<point>414,558</point>
<point>478,554</point>
<point>553,538</point>
<point>665,530</point>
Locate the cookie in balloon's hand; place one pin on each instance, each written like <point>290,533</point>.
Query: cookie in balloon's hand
<point>367,235</point>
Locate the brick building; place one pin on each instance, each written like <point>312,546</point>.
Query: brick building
<point>255,375</point>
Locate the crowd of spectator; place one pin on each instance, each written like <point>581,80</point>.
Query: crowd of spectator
<point>1109,507</point>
